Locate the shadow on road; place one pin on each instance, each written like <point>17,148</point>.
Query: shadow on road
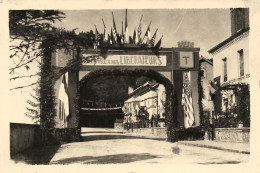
<point>36,155</point>
<point>107,159</point>
<point>224,162</point>
<point>100,132</point>
<point>110,137</point>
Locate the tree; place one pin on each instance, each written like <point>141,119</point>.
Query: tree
<point>27,30</point>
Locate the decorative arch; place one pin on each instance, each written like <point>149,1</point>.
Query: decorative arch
<point>171,101</point>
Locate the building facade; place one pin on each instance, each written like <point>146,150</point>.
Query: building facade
<point>231,63</point>
<point>149,97</point>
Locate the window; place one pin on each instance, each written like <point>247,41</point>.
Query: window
<point>241,62</point>
<point>225,69</point>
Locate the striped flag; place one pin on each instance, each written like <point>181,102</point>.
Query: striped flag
<point>63,103</point>
<point>139,31</point>
<point>152,41</point>
<point>126,29</point>
<point>187,101</point>
<point>146,38</point>
<point>114,29</point>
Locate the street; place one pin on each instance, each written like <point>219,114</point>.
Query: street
<point>107,146</point>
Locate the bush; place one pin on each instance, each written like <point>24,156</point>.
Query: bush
<point>58,136</point>
<point>193,133</point>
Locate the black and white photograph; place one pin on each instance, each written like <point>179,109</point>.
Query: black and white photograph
<point>131,85</point>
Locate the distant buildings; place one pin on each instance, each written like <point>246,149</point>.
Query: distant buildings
<point>206,67</point>
<point>145,103</point>
<point>231,63</point>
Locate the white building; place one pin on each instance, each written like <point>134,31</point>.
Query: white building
<point>231,61</point>
<point>150,96</point>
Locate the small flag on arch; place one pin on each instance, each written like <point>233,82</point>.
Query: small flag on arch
<point>114,29</point>
<point>152,41</point>
<point>146,38</point>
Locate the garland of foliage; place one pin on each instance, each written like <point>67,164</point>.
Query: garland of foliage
<point>171,101</point>
<point>47,98</point>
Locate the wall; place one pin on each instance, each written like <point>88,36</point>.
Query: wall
<point>230,52</point>
<point>22,136</point>
<point>233,134</point>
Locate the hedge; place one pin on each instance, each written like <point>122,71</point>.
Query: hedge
<point>58,136</point>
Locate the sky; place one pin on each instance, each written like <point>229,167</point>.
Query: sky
<point>205,27</point>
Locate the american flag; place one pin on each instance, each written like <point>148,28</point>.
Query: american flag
<point>114,29</point>
<point>187,101</point>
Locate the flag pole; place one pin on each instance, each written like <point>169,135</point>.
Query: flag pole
<point>139,30</point>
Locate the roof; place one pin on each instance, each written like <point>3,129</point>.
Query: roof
<point>148,86</point>
<point>232,37</point>
<point>206,60</point>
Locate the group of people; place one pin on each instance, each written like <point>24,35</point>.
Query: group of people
<point>142,120</point>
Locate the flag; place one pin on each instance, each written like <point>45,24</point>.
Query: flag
<point>134,38</point>
<point>139,31</point>
<point>97,37</point>
<point>147,35</point>
<point>126,29</point>
<point>122,35</point>
<point>152,41</point>
<point>63,100</point>
<point>187,100</point>
<point>111,37</point>
<point>105,38</point>
<point>114,29</point>
<point>158,44</point>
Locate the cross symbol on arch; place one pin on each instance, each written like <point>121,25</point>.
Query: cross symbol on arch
<point>186,59</point>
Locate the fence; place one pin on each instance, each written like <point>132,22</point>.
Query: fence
<point>22,136</point>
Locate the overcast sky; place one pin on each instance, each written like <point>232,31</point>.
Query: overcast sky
<point>205,27</point>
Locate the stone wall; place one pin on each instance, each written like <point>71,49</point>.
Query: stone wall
<point>148,132</point>
<point>233,134</point>
<point>22,136</point>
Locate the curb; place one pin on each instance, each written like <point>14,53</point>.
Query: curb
<point>214,147</point>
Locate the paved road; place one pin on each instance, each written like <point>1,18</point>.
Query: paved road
<point>107,146</point>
